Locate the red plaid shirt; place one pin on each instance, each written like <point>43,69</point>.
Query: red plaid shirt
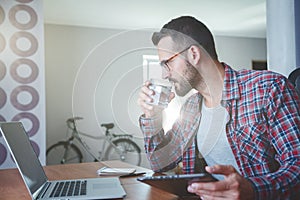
<point>263,131</point>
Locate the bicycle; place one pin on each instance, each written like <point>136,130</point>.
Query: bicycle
<point>115,146</point>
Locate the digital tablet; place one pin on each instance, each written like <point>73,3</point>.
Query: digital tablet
<point>176,184</point>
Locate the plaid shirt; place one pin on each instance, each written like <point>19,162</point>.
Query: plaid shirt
<point>263,131</point>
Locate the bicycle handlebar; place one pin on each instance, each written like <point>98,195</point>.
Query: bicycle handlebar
<point>73,119</point>
<point>71,122</point>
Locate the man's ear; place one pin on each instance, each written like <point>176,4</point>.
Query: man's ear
<point>194,55</point>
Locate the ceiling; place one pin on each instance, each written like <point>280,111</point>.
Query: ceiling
<point>245,18</point>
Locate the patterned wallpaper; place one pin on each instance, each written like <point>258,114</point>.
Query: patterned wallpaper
<point>22,84</point>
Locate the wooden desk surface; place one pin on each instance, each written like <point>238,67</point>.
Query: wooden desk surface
<point>12,186</point>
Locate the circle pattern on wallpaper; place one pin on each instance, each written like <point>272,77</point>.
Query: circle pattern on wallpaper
<point>35,147</point>
<point>2,43</point>
<point>35,123</point>
<point>3,98</point>
<point>22,17</point>
<point>23,44</point>
<point>23,91</point>
<point>2,15</point>
<point>2,119</point>
<point>3,153</point>
<point>2,70</point>
<point>20,68</point>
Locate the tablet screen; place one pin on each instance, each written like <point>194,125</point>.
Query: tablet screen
<point>176,184</point>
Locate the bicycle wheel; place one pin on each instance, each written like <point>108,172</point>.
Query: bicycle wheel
<point>125,150</point>
<point>63,153</point>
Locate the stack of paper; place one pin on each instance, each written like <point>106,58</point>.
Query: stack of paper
<point>115,171</point>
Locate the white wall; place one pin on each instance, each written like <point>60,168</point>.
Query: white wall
<point>104,67</point>
<point>281,36</point>
<point>239,52</point>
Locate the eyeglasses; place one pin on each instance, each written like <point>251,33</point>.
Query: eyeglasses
<point>164,63</point>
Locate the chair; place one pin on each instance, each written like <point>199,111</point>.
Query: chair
<point>294,77</point>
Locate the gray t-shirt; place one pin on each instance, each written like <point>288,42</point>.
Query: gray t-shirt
<point>212,140</point>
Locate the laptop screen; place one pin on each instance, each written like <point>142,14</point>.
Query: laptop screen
<point>24,155</point>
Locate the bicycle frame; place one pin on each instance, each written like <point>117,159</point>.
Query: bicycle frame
<point>114,146</point>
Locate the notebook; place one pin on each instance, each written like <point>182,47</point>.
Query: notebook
<point>35,178</point>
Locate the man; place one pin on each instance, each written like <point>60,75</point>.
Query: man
<point>245,123</point>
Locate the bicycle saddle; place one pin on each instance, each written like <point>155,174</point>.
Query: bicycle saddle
<point>108,126</point>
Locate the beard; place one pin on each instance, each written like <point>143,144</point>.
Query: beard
<point>186,81</point>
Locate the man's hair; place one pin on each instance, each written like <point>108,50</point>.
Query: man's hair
<point>187,30</point>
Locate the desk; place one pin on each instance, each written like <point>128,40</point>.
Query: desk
<point>12,186</point>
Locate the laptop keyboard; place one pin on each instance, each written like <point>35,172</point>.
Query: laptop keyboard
<point>69,188</point>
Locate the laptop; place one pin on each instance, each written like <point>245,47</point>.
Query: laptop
<point>35,178</point>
